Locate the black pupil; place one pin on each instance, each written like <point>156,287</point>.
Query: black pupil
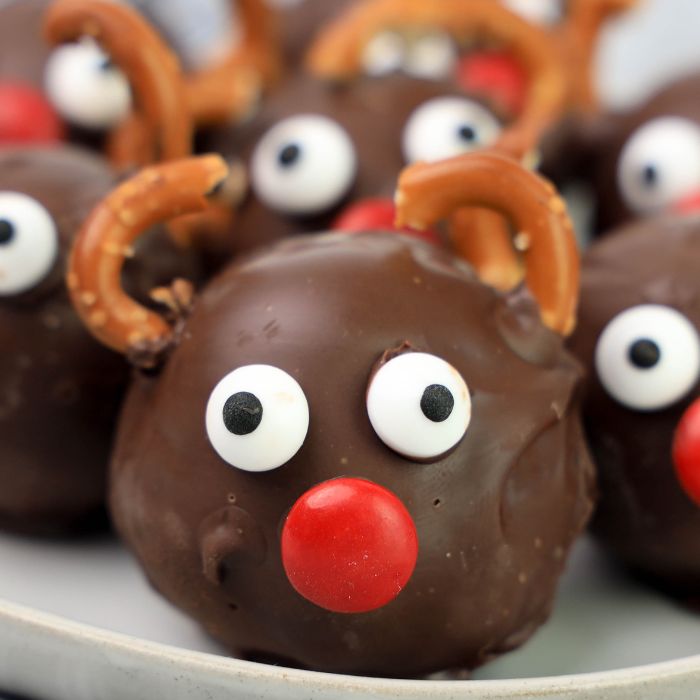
<point>644,353</point>
<point>289,155</point>
<point>467,133</point>
<point>106,64</point>
<point>242,413</point>
<point>7,232</point>
<point>650,176</point>
<point>437,403</point>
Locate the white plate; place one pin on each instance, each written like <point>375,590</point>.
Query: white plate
<point>103,633</point>
<point>83,625</point>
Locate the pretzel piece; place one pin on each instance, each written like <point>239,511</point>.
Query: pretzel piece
<point>156,194</point>
<point>228,91</point>
<point>578,39</point>
<point>337,53</point>
<point>429,193</point>
<point>152,69</point>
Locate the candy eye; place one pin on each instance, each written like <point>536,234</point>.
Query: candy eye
<point>446,127</point>
<point>304,165</point>
<point>544,12</point>
<point>28,243</point>
<point>85,87</point>
<point>257,418</point>
<point>432,56</point>
<point>648,357</point>
<point>419,405</point>
<point>384,53</point>
<point>660,164</point>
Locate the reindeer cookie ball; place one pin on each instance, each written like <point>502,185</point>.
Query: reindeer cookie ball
<point>639,163</point>
<point>638,337</point>
<point>356,456</point>
<point>59,392</point>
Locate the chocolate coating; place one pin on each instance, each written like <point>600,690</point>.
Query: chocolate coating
<point>23,53</point>
<point>373,112</point>
<point>59,391</point>
<point>644,517</point>
<point>300,20</point>
<point>591,149</point>
<point>495,516</point>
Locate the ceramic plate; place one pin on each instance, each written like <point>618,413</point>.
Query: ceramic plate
<point>79,622</point>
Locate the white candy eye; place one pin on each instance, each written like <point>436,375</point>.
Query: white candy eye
<point>28,243</point>
<point>384,53</point>
<point>648,357</point>
<point>432,56</point>
<point>257,418</point>
<point>544,12</point>
<point>448,126</point>
<point>660,164</point>
<point>85,87</point>
<point>304,165</point>
<point>419,405</point>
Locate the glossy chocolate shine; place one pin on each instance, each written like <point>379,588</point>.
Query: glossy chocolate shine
<point>59,390</point>
<point>495,516</point>
<point>644,516</point>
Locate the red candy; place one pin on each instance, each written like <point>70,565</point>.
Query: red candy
<point>26,116</point>
<point>688,205</point>
<point>686,451</point>
<point>499,77</point>
<point>376,214</point>
<point>349,545</point>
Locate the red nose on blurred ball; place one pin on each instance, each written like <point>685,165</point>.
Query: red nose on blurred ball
<point>497,76</point>
<point>376,214</point>
<point>690,204</point>
<point>686,451</point>
<point>349,545</point>
<point>26,116</point>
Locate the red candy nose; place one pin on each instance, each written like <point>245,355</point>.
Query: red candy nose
<point>373,215</point>
<point>349,545</point>
<point>690,204</point>
<point>26,116</point>
<point>497,76</point>
<point>686,451</point>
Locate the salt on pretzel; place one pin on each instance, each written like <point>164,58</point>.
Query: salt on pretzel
<point>430,192</point>
<point>578,38</point>
<point>103,244</point>
<point>160,127</point>
<point>337,52</point>
<point>229,90</point>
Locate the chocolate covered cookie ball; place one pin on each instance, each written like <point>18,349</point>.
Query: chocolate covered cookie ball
<point>638,338</point>
<point>356,457</point>
<point>59,392</point>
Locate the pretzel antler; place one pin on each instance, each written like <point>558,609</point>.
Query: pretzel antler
<point>429,193</point>
<point>578,39</point>
<point>160,128</point>
<point>228,91</point>
<point>337,53</point>
<point>156,194</point>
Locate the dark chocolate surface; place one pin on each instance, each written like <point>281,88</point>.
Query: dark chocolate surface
<point>23,53</point>
<point>590,148</point>
<point>373,111</point>
<point>59,390</point>
<point>495,516</point>
<point>644,516</point>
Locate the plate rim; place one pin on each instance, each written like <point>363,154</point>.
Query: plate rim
<point>49,624</point>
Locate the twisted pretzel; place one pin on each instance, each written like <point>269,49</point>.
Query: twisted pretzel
<point>337,53</point>
<point>104,243</point>
<point>228,91</point>
<point>578,39</point>
<point>429,193</point>
<point>160,127</point>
